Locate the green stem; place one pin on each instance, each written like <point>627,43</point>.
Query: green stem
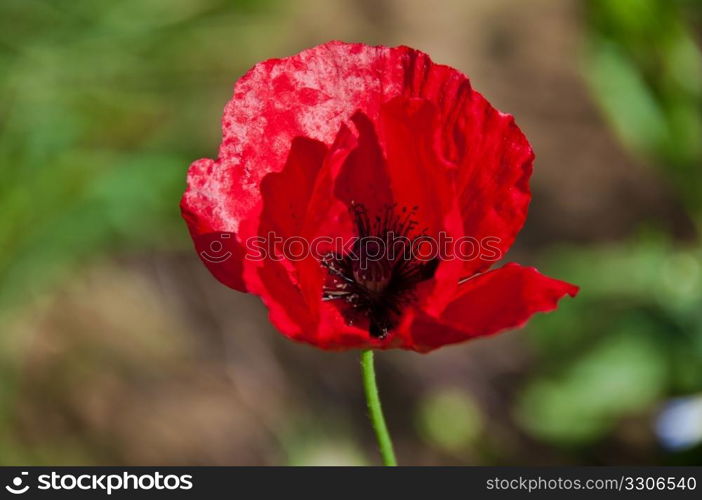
<point>375,410</point>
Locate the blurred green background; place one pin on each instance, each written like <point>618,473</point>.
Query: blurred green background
<point>117,346</point>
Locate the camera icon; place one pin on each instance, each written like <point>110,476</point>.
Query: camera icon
<point>16,488</point>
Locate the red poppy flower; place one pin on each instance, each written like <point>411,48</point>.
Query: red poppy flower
<point>379,147</point>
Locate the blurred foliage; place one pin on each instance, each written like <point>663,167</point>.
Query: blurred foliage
<point>322,442</point>
<point>633,337</point>
<point>104,105</point>
<point>645,68</point>
<point>449,420</point>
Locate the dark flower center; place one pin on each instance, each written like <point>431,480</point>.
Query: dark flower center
<point>379,273</point>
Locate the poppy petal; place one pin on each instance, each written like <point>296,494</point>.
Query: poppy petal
<point>489,303</point>
<point>417,174</point>
<point>311,94</point>
<point>363,178</point>
<point>493,179</point>
<point>284,208</point>
<point>224,257</point>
